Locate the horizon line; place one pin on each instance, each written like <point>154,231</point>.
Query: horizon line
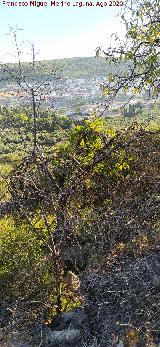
<point>51,59</point>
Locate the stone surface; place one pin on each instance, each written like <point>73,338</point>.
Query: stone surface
<point>128,294</point>
<point>64,338</point>
<point>67,329</point>
<point>74,319</point>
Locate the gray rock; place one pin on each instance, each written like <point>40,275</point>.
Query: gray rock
<point>64,338</point>
<point>74,319</point>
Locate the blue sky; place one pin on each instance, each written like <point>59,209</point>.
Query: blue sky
<point>58,32</point>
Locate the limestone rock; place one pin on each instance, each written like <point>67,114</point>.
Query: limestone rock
<point>64,338</point>
<point>74,319</point>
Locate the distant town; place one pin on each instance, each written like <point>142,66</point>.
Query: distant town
<point>76,92</point>
<point>69,94</point>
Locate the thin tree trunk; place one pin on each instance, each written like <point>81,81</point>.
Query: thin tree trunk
<point>34,121</point>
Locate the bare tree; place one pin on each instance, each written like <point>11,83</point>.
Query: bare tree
<point>24,76</point>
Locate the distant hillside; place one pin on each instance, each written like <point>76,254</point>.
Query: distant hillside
<point>77,82</point>
<point>75,67</point>
<point>65,68</point>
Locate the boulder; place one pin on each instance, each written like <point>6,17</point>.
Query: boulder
<point>64,338</point>
<point>74,319</point>
<point>67,329</point>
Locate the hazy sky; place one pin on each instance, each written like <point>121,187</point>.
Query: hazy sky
<point>58,32</point>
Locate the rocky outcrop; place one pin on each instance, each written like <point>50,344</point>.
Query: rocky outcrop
<point>74,319</point>
<point>68,329</point>
<point>124,302</point>
<point>64,338</point>
<point>122,308</point>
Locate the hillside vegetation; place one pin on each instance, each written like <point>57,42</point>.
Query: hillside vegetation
<point>80,204</point>
<point>89,198</point>
<point>68,68</point>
